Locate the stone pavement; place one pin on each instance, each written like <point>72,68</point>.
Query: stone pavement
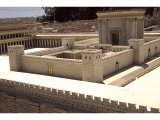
<point>143,91</point>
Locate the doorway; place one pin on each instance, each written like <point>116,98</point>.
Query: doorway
<point>50,70</point>
<point>115,39</point>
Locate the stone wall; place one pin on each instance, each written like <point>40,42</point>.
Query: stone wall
<point>24,98</point>
<point>151,49</point>
<point>117,61</point>
<point>67,68</point>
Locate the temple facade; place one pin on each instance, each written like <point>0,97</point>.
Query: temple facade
<point>117,27</point>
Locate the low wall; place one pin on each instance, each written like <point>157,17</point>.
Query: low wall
<point>66,68</point>
<point>154,47</point>
<point>123,58</point>
<point>23,97</point>
<point>141,70</point>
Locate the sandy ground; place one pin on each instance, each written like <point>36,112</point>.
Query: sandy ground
<point>143,91</point>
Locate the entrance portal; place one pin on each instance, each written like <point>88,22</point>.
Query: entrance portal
<point>115,39</point>
<point>50,70</point>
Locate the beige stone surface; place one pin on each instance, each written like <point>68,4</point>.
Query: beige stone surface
<point>143,91</point>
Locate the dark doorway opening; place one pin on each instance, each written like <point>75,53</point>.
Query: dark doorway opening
<point>115,39</point>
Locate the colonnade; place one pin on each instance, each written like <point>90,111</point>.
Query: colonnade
<point>31,43</point>
<point>48,42</point>
<point>15,35</point>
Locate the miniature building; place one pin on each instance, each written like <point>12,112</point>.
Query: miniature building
<point>92,60</point>
<point>86,61</point>
<point>117,27</point>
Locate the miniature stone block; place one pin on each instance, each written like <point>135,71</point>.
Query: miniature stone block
<point>74,95</point>
<point>154,110</point>
<point>106,102</point>
<point>130,105</point>
<point>67,93</point>
<point>114,103</point>
<point>123,105</point>
<point>97,99</point>
<point>54,91</point>
<point>142,108</point>
<point>89,98</point>
<point>82,96</point>
<point>60,93</point>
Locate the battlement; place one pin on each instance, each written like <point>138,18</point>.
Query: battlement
<point>75,100</point>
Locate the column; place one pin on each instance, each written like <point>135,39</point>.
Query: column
<point>28,43</point>
<point>32,43</point>
<point>5,47</point>
<point>24,43</point>
<point>2,47</point>
<point>58,42</point>
<point>47,43</point>
<point>41,43</point>
<point>104,39</point>
<point>50,42</point>
<point>44,42</point>
<point>37,41</point>
<point>99,30</point>
<point>55,43</point>
<point>142,23</point>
